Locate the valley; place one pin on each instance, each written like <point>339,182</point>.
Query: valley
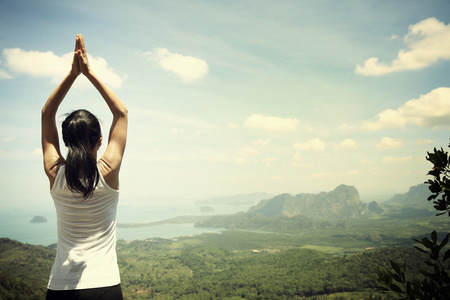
<point>256,256</point>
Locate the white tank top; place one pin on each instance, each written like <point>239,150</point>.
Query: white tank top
<point>86,252</point>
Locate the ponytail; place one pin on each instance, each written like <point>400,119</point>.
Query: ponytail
<point>81,133</point>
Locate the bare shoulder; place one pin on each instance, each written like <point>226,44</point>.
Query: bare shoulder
<point>110,174</point>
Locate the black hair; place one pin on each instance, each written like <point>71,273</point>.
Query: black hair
<point>81,132</point>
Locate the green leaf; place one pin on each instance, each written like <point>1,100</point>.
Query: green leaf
<point>430,263</point>
<point>427,243</point>
<point>383,289</point>
<point>396,267</point>
<point>432,197</point>
<point>447,255</point>
<point>381,273</point>
<point>421,250</point>
<point>434,237</point>
<point>395,288</point>
<point>444,241</point>
<point>397,278</point>
<point>435,186</point>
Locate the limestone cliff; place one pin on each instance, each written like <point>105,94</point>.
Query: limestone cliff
<point>343,201</point>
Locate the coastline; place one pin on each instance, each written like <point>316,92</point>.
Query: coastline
<point>168,221</point>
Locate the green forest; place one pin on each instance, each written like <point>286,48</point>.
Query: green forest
<point>326,259</point>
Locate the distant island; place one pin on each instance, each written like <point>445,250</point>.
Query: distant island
<point>38,219</point>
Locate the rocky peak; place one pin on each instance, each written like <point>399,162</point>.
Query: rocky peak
<point>343,201</point>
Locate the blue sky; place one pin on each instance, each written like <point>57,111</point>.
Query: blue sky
<point>235,97</point>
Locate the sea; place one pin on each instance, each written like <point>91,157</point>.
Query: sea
<point>15,222</point>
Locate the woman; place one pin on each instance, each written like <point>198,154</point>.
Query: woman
<point>85,191</point>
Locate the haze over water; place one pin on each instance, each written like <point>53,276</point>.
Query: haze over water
<point>15,223</point>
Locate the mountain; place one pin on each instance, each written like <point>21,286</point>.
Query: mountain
<point>249,199</point>
<point>416,196</point>
<point>343,201</point>
<point>373,207</point>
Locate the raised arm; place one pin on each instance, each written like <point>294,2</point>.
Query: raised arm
<point>111,160</point>
<point>49,134</point>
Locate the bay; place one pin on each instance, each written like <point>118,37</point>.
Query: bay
<point>15,223</point>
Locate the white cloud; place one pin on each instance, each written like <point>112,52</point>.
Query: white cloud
<point>247,151</point>
<point>424,142</point>
<point>177,130</point>
<point>261,142</point>
<point>271,123</point>
<point>105,72</point>
<point>7,139</point>
<point>386,119</point>
<point>393,37</point>
<point>323,174</point>
<point>351,173</point>
<point>391,159</point>
<point>346,127</point>
<point>368,162</point>
<point>36,63</point>
<point>299,161</point>
<point>49,65</point>
<point>428,110</point>
<point>347,144</point>
<point>269,159</point>
<point>311,145</point>
<point>427,42</point>
<point>388,143</point>
<point>241,161</point>
<point>232,125</point>
<point>431,110</point>
<point>188,68</point>
<point>4,74</point>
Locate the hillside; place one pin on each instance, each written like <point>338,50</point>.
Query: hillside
<point>24,270</point>
<point>342,202</point>
<point>416,196</point>
<point>214,266</point>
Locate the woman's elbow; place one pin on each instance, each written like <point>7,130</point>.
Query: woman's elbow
<point>46,112</point>
<point>121,113</point>
<point>124,112</point>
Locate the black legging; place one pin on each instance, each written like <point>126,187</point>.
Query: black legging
<point>104,293</point>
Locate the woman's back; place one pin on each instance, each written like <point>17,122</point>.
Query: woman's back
<point>86,255</point>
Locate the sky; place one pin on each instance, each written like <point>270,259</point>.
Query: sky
<point>234,97</point>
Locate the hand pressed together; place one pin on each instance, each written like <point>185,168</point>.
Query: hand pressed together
<point>75,62</point>
<point>80,63</point>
